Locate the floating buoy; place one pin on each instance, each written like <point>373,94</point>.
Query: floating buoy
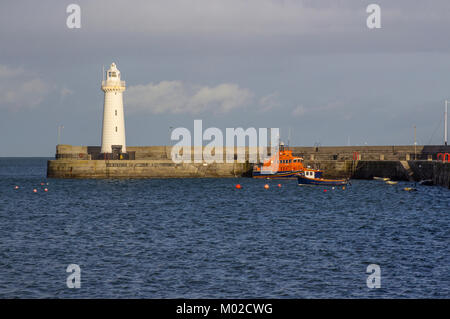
<point>238,186</point>
<point>391,183</point>
<point>343,187</point>
<point>35,190</point>
<point>332,187</point>
<point>279,185</point>
<point>266,186</point>
<point>42,184</point>
<point>16,187</point>
<point>45,189</point>
<point>325,190</point>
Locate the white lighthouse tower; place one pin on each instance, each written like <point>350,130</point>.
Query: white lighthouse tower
<point>113,133</point>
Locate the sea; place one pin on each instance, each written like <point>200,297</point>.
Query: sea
<point>204,238</point>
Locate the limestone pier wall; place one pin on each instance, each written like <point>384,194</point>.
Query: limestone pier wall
<point>70,168</point>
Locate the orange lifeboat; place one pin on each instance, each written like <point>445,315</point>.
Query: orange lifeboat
<point>281,165</point>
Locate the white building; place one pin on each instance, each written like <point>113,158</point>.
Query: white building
<point>113,133</point>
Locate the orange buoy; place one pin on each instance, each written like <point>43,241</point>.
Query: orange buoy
<point>266,186</point>
<point>279,185</point>
<point>238,186</point>
<point>343,187</point>
<point>35,190</point>
<point>45,189</point>
<point>16,187</point>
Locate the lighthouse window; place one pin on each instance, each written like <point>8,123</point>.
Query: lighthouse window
<point>116,128</point>
<point>116,112</point>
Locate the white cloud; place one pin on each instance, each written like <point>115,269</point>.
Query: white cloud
<point>177,97</point>
<point>7,72</point>
<point>299,111</point>
<point>20,89</point>
<point>269,102</point>
<point>65,92</point>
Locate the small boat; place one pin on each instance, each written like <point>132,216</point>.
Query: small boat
<point>382,178</point>
<point>426,182</point>
<point>391,183</point>
<point>282,165</point>
<point>314,177</point>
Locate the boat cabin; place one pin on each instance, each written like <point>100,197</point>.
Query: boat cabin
<point>312,173</point>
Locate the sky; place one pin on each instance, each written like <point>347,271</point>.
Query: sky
<point>310,67</point>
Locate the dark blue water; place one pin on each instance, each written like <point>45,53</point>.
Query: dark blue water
<point>202,238</point>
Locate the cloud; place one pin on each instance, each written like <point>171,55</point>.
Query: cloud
<point>254,17</point>
<point>20,89</point>
<point>207,17</point>
<point>269,102</point>
<point>299,111</point>
<point>64,92</point>
<point>177,97</point>
<point>333,107</point>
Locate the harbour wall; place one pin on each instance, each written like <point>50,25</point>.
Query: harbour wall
<point>359,162</point>
<point>70,168</point>
<point>414,171</point>
<point>336,153</point>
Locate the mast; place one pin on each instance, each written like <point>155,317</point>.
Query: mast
<point>415,144</point>
<point>289,138</point>
<point>445,122</point>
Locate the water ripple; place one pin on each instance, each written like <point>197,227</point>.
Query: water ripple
<point>202,238</point>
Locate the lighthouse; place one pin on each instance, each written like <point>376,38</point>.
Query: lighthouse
<point>113,132</point>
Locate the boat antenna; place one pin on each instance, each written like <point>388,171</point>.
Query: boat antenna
<point>289,138</point>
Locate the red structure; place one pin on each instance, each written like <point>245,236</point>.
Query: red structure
<point>443,157</point>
